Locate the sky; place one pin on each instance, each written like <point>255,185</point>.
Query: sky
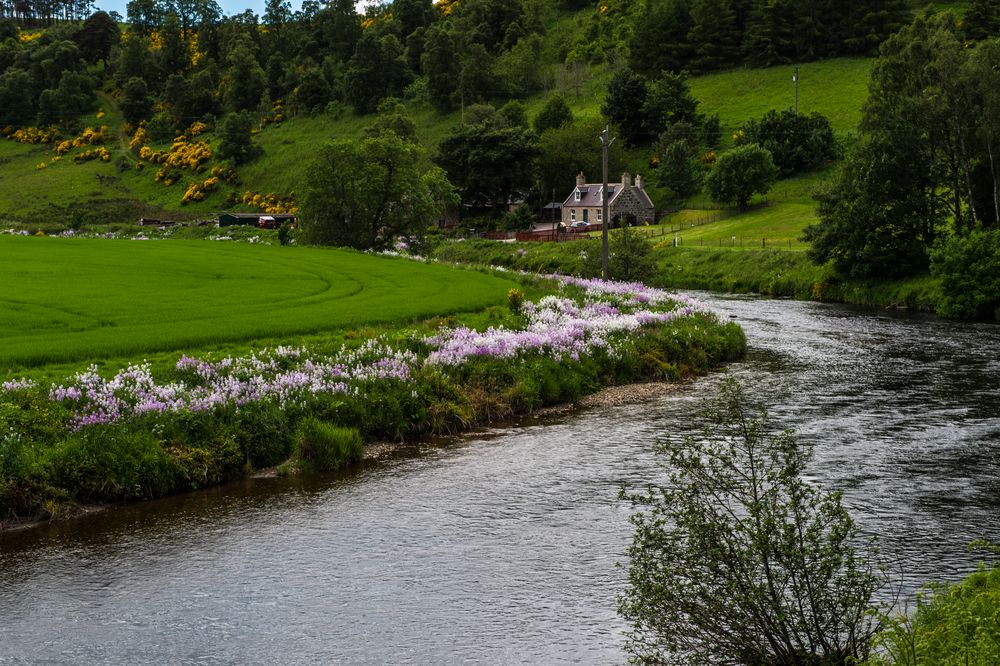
<point>230,7</point>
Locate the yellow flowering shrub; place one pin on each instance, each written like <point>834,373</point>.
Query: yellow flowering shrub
<point>271,203</point>
<point>100,153</point>
<point>33,135</point>
<point>139,139</point>
<point>196,128</point>
<point>197,191</point>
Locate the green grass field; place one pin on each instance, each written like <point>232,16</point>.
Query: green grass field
<point>776,226</point>
<point>836,88</point>
<point>73,300</point>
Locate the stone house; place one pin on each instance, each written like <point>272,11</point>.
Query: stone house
<point>628,203</point>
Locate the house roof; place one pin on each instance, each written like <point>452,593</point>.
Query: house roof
<point>590,195</point>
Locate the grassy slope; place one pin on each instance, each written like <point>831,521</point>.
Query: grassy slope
<point>79,300</point>
<point>835,88</point>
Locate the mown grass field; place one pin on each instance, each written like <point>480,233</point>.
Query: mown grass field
<point>73,300</point>
<point>777,226</point>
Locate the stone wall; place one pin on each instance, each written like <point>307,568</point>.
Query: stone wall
<point>630,203</point>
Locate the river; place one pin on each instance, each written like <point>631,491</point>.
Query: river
<point>502,547</point>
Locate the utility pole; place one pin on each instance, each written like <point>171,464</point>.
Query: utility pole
<point>606,142</point>
<point>795,79</point>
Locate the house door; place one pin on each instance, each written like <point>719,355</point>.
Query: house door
<point>586,216</point>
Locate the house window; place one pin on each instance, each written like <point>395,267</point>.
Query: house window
<point>599,212</point>
<point>576,195</point>
<point>572,214</point>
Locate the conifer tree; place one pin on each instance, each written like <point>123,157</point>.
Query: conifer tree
<point>659,41</point>
<point>982,19</point>
<point>713,37</point>
<point>440,66</point>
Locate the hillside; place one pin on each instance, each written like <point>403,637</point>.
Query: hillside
<point>287,147</point>
<point>119,186</point>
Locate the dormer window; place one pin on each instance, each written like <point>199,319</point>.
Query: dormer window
<point>576,195</point>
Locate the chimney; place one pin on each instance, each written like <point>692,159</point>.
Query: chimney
<point>638,181</point>
<point>626,180</point>
<point>580,180</point>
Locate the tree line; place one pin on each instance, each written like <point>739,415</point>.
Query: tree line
<point>925,175</point>
<point>34,13</point>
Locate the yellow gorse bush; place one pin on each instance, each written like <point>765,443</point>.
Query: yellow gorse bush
<point>197,191</point>
<point>31,135</point>
<point>139,139</point>
<point>100,153</point>
<point>181,155</point>
<point>271,203</point>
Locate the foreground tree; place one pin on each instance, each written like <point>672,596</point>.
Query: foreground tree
<point>737,560</point>
<point>741,173</point>
<point>362,193</point>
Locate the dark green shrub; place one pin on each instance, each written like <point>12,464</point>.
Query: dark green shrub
<point>741,173</point>
<point>326,447</point>
<point>112,464</point>
<point>263,434</point>
<point>285,233</point>
<point>969,270</point>
<point>797,142</point>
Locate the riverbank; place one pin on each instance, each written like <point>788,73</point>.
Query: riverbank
<point>776,273</point>
<point>108,435</point>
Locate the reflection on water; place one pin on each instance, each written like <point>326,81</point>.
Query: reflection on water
<point>502,548</point>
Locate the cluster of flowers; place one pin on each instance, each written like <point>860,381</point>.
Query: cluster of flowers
<point>25,37</point>
<point>181,154</point>
<point>196,128</point>
<point>197,191</point>
<point>277,114</point>
<point>100,153</point>
<point>140,138</point>
<point>446,7</point>
<point>560,327</point>
<point>287,375</point>
<point>89,137</point>
<point>18,384</point>
<point>271,203</point>
<point>31,135</point>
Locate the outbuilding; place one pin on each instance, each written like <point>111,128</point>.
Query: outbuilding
<point>252,219</point>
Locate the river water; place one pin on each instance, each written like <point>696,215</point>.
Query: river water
<point>502,547</point>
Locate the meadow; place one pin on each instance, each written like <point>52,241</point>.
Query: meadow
<point>77,300</point>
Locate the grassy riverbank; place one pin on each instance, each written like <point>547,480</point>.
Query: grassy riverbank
<point>772,272</point>
<point>127,429</point>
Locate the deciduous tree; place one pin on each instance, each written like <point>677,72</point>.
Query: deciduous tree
<point>741,173</point>
<point>737,560</point>
<point>361,193</point>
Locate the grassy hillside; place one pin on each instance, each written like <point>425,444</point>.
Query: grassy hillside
<point>77,300</point>
<point>835,88</point>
